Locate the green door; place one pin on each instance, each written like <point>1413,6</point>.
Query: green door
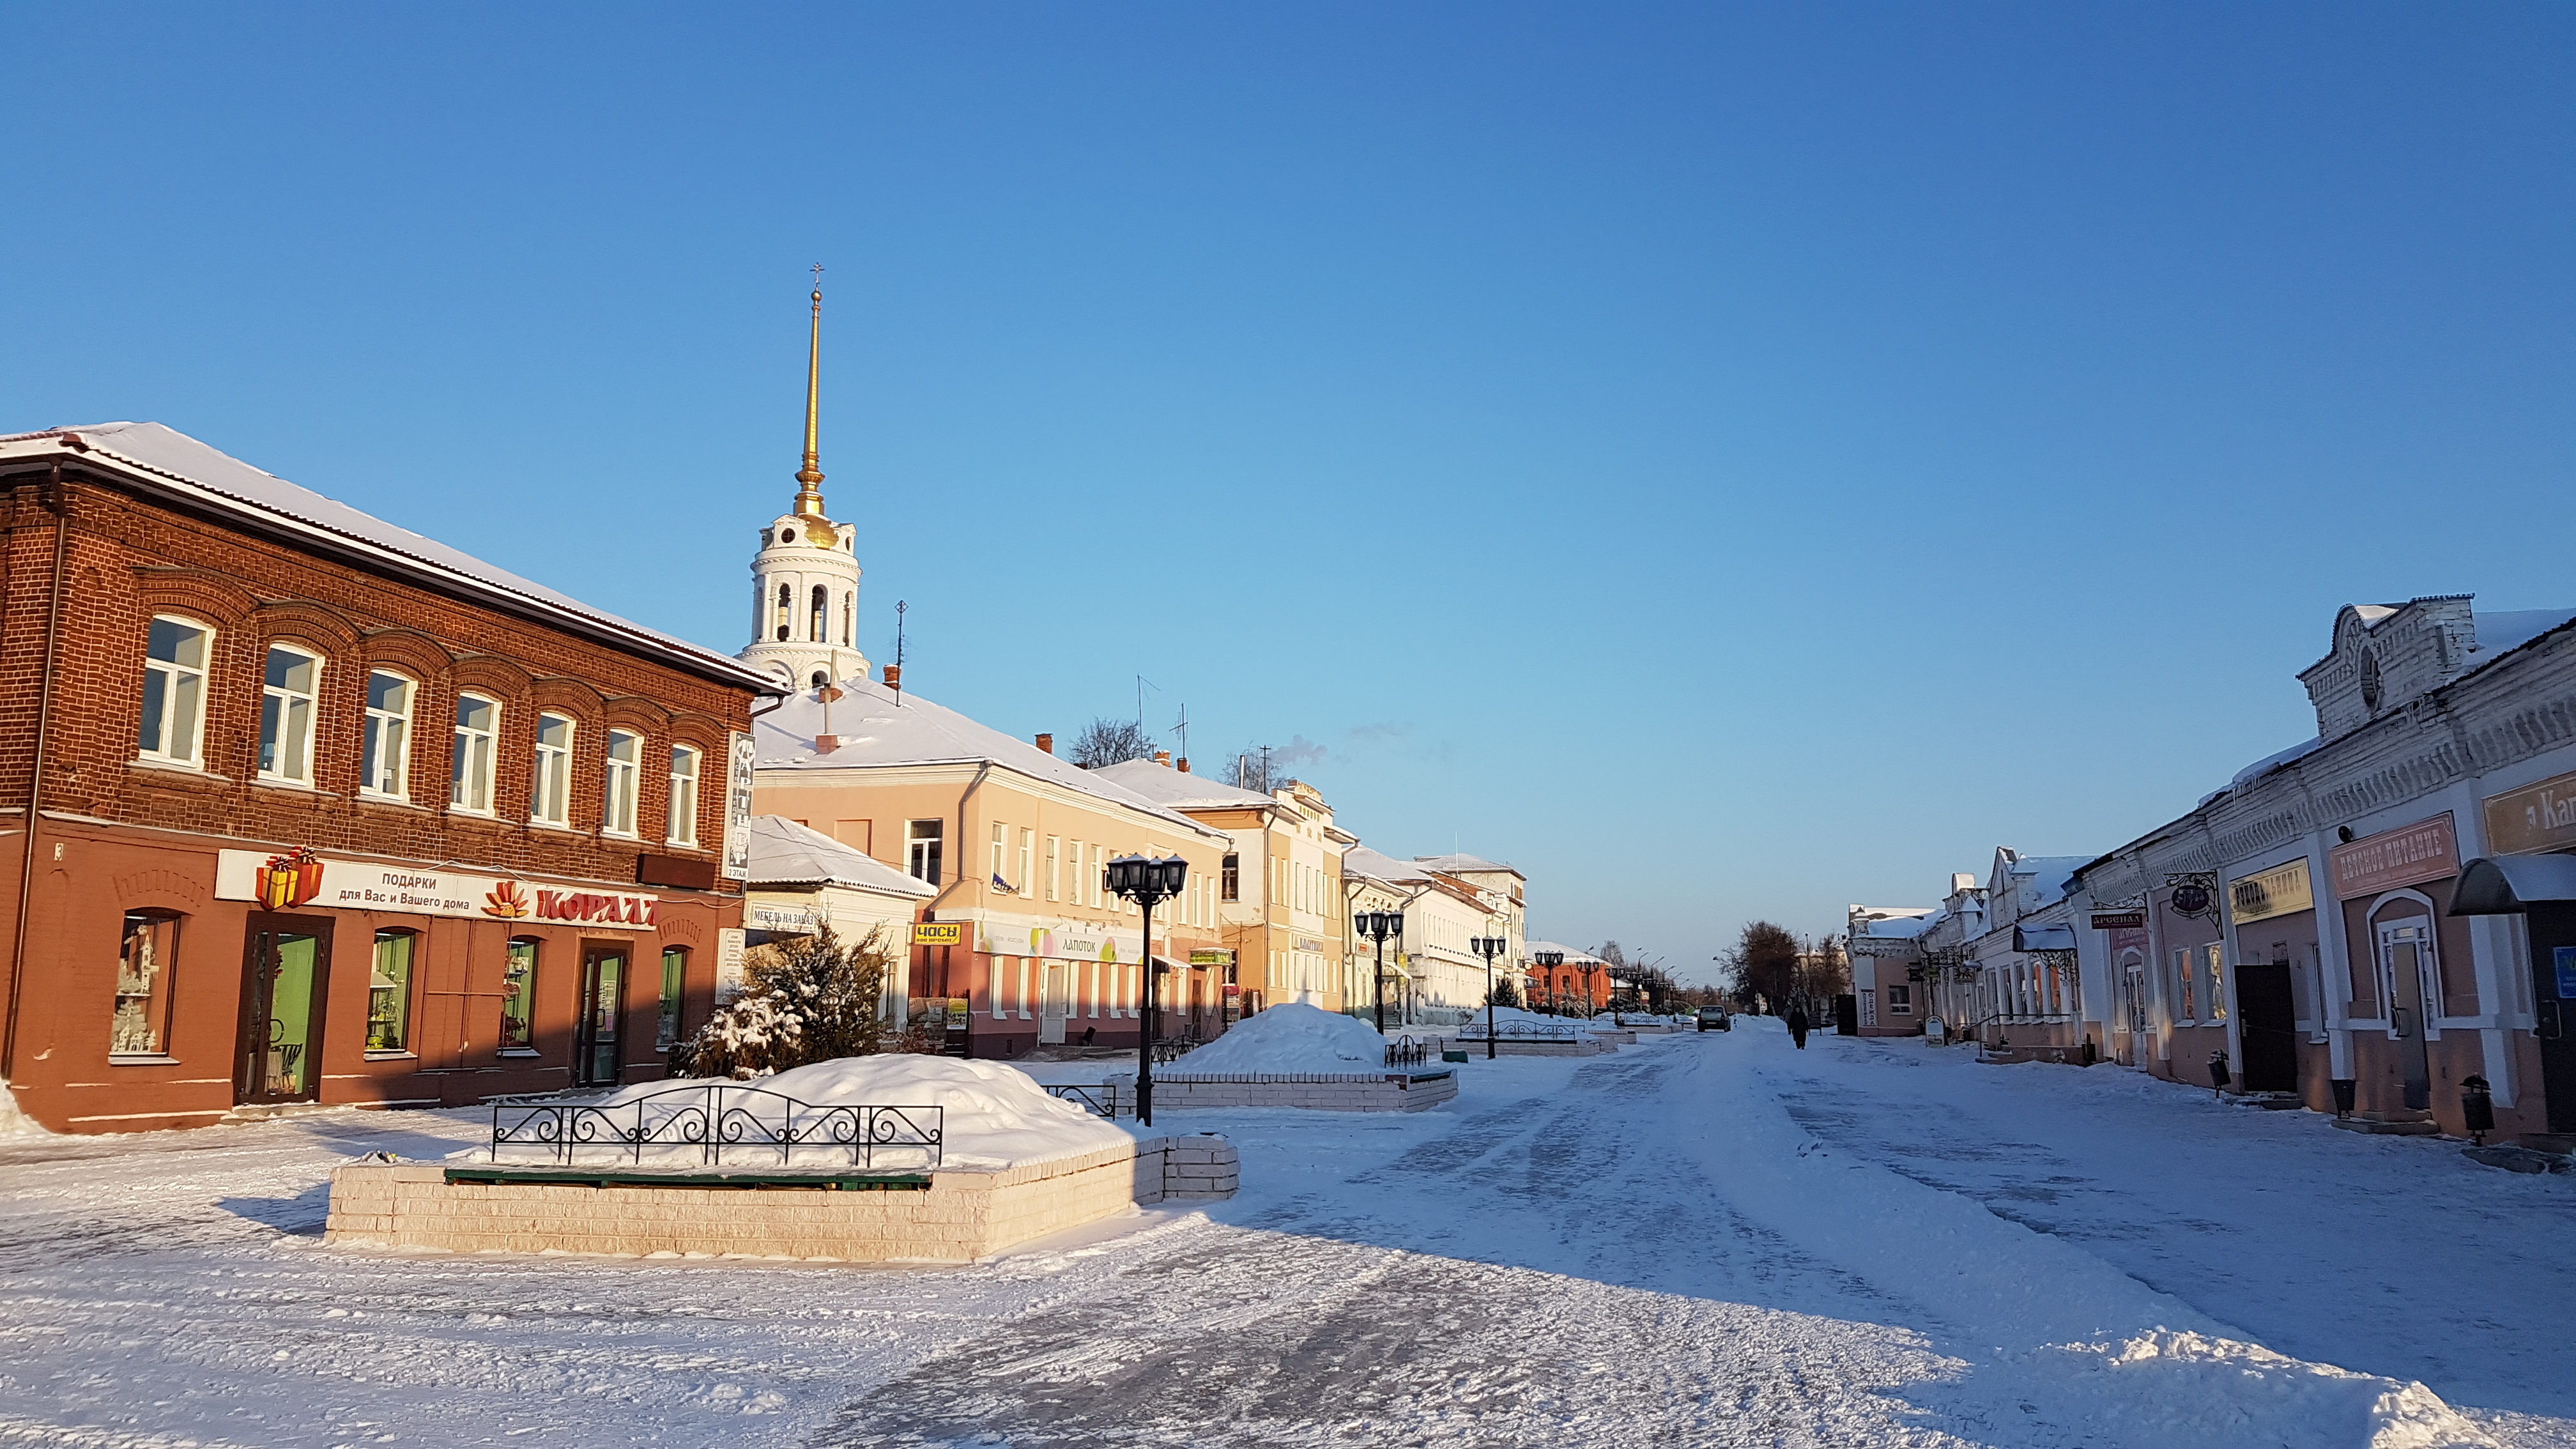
<point>603,998</point>
<point>286,963</point>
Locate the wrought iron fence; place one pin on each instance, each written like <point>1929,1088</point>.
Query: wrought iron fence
<point>1523,1031</point>
<point>1404,1051</point>
<point>1172,1050</point>
<point>1100,1098</point>
<point>703,1122</point>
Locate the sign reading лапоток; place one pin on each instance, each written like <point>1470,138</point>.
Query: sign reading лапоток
<point>2280,891</point>
<point>2532,819</point>
<point>2408,855</point>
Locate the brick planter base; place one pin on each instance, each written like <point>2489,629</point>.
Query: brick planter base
<point>960,1215</point>
<point>1586,1045</point>
<point>1405,1090</point>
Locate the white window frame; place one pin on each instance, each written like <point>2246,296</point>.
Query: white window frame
<point>381,723</point>
<point>1028,862</point>
<point>621,784</point>
<point>1054,866</point>
<point>550,770</point>
<point>473,751</point>
<point>286,700</point>
<point>682,818</point>
<point>172,674</point>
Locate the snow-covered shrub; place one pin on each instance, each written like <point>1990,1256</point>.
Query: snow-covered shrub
<point>807,999</point>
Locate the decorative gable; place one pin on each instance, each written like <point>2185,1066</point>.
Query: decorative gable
<point>2386,656</point>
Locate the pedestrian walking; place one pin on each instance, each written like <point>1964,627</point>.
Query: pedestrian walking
<point>1798,1026</point>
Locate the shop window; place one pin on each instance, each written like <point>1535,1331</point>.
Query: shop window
<point>470,779</point>
<point>286,714</point>
<point>519,997</point>
<point>389,993</point>
<point>921,842</point>
<point>684,796</point>
<point>550,791</point>
<point>382,766</point>
<point>619,782</point>
<point>1230,878</point>
<point>174,690</point>
<point>675,975</point>
<point>2186,988</point>
<point>1900,1001</point>
<point>141,1025</point>
<point>2214,956</point>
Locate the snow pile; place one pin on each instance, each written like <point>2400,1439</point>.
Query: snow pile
<point>991,1114</point>
<point>2190,1390</point>
<point>1291,1037</point>
<point>14,1123</point>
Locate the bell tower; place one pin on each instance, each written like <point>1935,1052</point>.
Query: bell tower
<point>805,574</point>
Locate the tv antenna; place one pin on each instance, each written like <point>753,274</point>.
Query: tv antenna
<point>899,607</point>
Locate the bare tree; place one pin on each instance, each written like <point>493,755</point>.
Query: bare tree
<point>1106,742</point>
<point>1763,964</point>
<point>1255,769</point>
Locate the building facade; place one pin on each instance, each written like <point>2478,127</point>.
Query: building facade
<point>309,808</point>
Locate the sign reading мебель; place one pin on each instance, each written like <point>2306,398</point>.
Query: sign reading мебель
<point>742,760</point>
<point>300,879</point>
<point>2280,891</point>
<point>2407,855</point>
<point>2532,819</point>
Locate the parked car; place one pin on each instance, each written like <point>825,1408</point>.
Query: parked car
<point>1715,1018</point>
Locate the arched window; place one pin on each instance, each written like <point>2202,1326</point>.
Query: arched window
<point>822,677</point>
<point>286,714</point>
<point>141,1025</point>
<point>386,748</point>
<point>786,607</point>
<point>550,792</point>
<point>814,629</point>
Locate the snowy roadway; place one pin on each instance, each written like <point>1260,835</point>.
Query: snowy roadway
<point>1703,1239</point>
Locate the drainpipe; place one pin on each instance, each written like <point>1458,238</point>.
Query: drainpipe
<point>53,498</point>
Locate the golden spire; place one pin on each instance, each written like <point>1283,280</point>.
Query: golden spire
<point>809,479</point>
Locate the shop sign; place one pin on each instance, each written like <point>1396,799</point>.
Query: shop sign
<point>2190,900</point>
<point>784,920</point>
<point>2276,892</point>
<point>1060,942</point>
<point>2408,855</point>
<point>742,761</point>
<point>300,878</point>
<point>729,952</point>
<point>2532,819</point>
<point>938,933</point>
<point>2562,960</point>
<point>1212,958</point>
<point>1309,944</point>
<point>2119,920</point>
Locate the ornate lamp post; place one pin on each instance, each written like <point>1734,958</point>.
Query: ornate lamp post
<point>1551,960</point>
<point>1377,926</point>
<point>1145,880</point>
<point>1489,947</point>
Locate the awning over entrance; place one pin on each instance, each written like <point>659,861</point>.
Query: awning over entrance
<point>2502,885</point>
<point>2044,938</point>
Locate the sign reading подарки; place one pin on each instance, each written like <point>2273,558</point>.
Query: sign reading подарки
<point>367,885</point>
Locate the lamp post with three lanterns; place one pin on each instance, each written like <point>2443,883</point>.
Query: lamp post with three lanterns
<point>1489,947</point>
<point>1377,926</point>
<point>1145,880</point>
<point>1551,960</point>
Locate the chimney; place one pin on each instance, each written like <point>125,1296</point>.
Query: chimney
<point>1163,758</point>
<point>1185,764</point>
<point>894,677</point>
<point>1047,743</point>
<point>826,744</point>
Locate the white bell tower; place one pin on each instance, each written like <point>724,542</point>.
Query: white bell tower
<point>805,577</point>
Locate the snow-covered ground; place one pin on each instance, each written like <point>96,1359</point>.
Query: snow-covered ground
<point>1703,1239</point>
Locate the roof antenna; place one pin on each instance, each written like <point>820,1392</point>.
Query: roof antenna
<point>1183,730</point>
<point>899,607</point>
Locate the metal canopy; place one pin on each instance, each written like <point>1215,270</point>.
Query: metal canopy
<point>2501,885</point>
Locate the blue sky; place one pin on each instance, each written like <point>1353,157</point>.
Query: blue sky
<point>1729,462</point>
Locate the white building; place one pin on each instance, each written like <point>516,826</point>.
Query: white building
<point>803,881</point>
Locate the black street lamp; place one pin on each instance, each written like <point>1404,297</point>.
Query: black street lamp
<point>1551,960</point>
<point>1489,947</point>
<point>1377,926</point>
<point>1145,880</point>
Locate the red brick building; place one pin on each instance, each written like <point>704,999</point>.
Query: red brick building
<point>300,806</point>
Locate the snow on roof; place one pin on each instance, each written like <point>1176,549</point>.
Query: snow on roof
<point>784,853</point>
<point>877,728</point>
<point>1573,957</point>
<point>1181,791</point>
<point>2273,761</point>
<point>213,477</point>
<point>1901,928</point>
<point>2509,629</point>
<point>1377,865</point>
<point>1462,864</point>
<point>2049,876</point>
